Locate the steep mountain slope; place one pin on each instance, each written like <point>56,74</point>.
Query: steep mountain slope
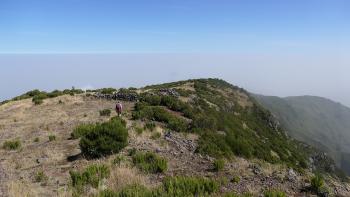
<point>189,138</point>
<point>314,120</point>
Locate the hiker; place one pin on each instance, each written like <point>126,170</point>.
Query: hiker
<point>119,108</point>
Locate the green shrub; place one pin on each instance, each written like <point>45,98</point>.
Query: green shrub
<point>82,130</point>
<point>189,186</point>
<point>161,115</point>
<point>118,160</point>
<point>150,126</point>
<point>236,179</point>
<point>37,101</point>
<point>36,139</point>
<point>129,191</point>
<point>139,130</point>
<point>105,112</point>
<point>214,145</point>
<point>92,175</point>
<point>150,162</point>
<point>52,138</point>
<point>12,144</point>
<point>104,139</point>
<point>274,193</point>
<point>107,90</point>
<point>40,177</point>
<point>219,165</point>
<point>171,187</point>
<point>156,135</point>
<point>317,183</point>
<point>132,151</point>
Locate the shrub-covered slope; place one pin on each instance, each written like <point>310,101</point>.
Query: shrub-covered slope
<point>190,138</point>
<point>316,121</point>
<point>228,120</point>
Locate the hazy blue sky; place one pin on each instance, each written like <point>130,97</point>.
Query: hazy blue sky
<point>289,47</point>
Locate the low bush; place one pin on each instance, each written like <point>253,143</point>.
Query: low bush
<point>189,186</point>
<point>107,90</point>
<point>12,145</point>
<point>236,179</point>
<point>150,126</point>
<point>130,191</point>
<point>105,112</point>
<point>171,187</point>
<point>52,138</point>
<point>37,101</point>
<point>40,177</point>
<point>82,130</point>
<point>132,151</point>
<point>92,175</point>
<point>118,160</point>
<point>156,135</point>
<point>162,115</point>
<point>150,162</point>
<point>104,139</point>
<point>274,193</point>
<point>219,165</point>
<point>36,139</point>
<point>317,183</point>
<point>138,130</point>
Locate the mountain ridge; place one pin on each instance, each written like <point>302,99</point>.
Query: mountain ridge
<point>194,129</point>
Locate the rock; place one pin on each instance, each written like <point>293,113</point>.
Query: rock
<point>169,92</point>
<point>42,160</point>
<point>292,175</point>
<point>255,169</point>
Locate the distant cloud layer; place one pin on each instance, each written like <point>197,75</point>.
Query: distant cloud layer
<point>281,75</point>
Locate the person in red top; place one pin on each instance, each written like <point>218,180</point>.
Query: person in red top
<point>119,108</point>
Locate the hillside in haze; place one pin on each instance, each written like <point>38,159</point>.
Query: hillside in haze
<point>315,120</point>
<point>201,137</point>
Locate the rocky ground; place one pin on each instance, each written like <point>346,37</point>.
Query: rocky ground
<point>58,116</point>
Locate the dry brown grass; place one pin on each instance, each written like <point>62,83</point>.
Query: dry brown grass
<point>124,176</point>
<point>20,189</point>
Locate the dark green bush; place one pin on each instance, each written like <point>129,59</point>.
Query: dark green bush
<point>107,90</point>
<point>162,115</point>
<point>37,100</point>
<point>219,165</point>
<point>150,162</point>
<point>92,175</point>
<point>52,138</point>
<point>132,151</point>
<point>82,130</point>
<point>12,145</point>
<point>214,145</point>
<point>105,112</point>
<point>104,139</point>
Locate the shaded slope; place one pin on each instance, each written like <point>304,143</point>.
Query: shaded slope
<point>314,120</point>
